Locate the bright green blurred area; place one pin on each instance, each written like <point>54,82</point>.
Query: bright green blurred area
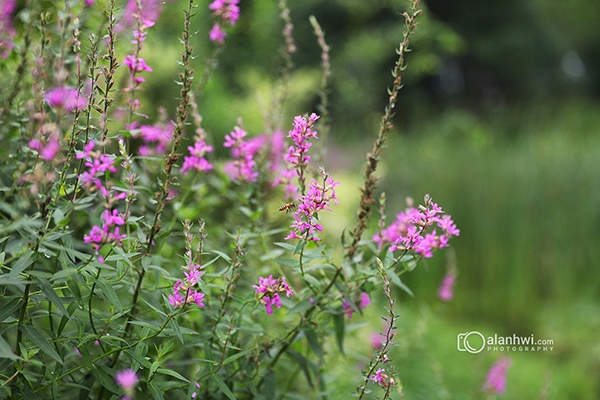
<point>499,121</point>
<point>527,256</point>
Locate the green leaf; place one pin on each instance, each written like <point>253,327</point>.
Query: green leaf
<point>36,337</point>
<point>286,246</point>
<point>51,295</point>
<point>303,363</point>
<point>10,307</point>
<point>22,263</point>
<point>156,392</point>
<point>312,280</point>
<point>270,385</point>
<point>102,374</point>
<point>74,287</point>
<point>109,293</point>
<point>172,373</point>
<point>226,391</point>
<point>223,255</point>
<point>136,358</point>
<point>19,281</point>
<point>300,307</point>
<point>396,281</point>
<point>6,351</point>
<point>177,330</point>
<point>326,267</point>
<point>339,324</point>
<point>234,357</point>
<point>313,342</point>
<point>287,262</point>
<point>63,274</point>
<point>300,246</point>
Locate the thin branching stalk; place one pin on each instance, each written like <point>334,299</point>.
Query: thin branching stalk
<point>382,355</point>
<point>236,267</point>
<point>323,107</point>
<point>108,72</point>
<point>186,78</point>
<point>385,125</point>
<point>287,52</point>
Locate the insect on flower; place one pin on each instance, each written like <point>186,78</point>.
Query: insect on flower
<point>287,207</point>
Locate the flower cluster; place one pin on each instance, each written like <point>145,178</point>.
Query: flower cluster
<point>156,139</point>
<point>318,198</point>
<point>66,99</point>
<point>196,159</point>
<point>109,232</point>
<point>184,291</point>
<point>226,12</point>
<point>243,168</point>
<point>382,379</point>
<point>409,230</point>
<point>98,164</point>
<point>135,65</point>
<point>302,134</point>
<point>7,30</point>
<point>47,142</point>
<point>140,12</point>
<point>362,303</point>
<point>297,157</point>
<point>269,289</point>
<point>495,381</point>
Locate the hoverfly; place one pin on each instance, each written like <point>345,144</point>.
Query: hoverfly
<point>287,207</point>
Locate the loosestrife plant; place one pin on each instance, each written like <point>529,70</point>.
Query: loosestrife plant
<point>114,286</point>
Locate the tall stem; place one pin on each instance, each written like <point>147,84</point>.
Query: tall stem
<point>385,125</point>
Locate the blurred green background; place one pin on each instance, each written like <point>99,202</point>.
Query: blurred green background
<point>499,121</point>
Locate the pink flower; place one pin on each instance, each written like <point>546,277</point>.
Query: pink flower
<point>318,198</point>
<point>269,289</point>
<point>228,10</point>
<point>381,378</point>
<point>365,300</point>
<point>194,394</point>
<point>445,292</point>
<point>87,150</point>
<point>362,303</point>
<point>136,64</point>
<point>66,98</point>
<point>184,291</point>
<point>7,30</point>
<point>243,168</point>
<point>147,13</point>
<point>225,12</point>
<point>409,230</point>
<point>302,134</point>
<point>495,381</point>
<point>217,34</point>
<point>48,149</point>
<point>376,341</point>
<point>127,379</point>
<point>157,139</point>
<point>196,158</point>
